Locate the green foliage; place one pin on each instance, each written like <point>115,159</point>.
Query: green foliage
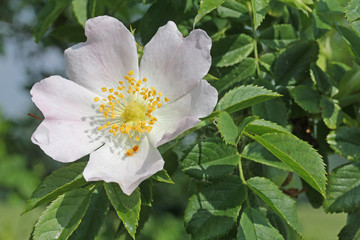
<point>162,176</point>
<point>259,8</point>
<point>206,6</point>
<point>307,98</point>
<point>346,142</point>
<point>227,128</point>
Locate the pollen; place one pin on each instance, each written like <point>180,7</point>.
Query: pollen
<point>128,110</point>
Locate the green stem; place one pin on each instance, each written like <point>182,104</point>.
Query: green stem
<point>241,173</point>
<point>256,56</point>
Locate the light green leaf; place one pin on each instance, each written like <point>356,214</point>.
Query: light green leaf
<point>278,36</point>
<point>59,182</point>
<point>244,123</point>
<point>95,215</point>
<point>62,216</point>
<point>231,50</point>
<point>255,226</point>
<point>261,126</point>
<point>343,192</point>
<point>260,8</point>
<point>331,112</point>
<point>243,97</point>
<point>210,159</point>
<point>352,228</point>
<point>307,98</point>
<point>227,128</point>
<point>267,60</point>
<point>293,64</point>
<point>233,9</point>
<point>352,11</point>
<point>162,176</point>
<point>206,6</point>
<point>257,153</point>
<point>213,211</point>
<point>346,142</point>
<point>48,14</point>
<point>282,204</point>
<point>351,37</point>
<point>126,207</point>
<point>298,155</point>
<point>80,11</point>
<point>272,110</point>
<point>299,4</point>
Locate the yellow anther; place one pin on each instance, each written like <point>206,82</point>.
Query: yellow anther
<point>166,99</point>
<point>101,109</point>
<point>135,148</point>
<point>99,128</point>
<point>159,105</point>
<point>137,138</point>
<point>131,73</point>
<point>144,79</point>
<point>96,99</point>
<point>139,83</point>
<point>104,89</point>
<point>121,82</point>
<point>160,94</point>
<point>111,90</point>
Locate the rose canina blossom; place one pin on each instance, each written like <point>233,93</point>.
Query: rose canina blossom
<point>118,111</point>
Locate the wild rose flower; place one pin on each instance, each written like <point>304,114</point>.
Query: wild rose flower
<point>120,112</point>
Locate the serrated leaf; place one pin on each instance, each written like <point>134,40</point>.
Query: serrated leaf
<point>240,72</point>
<point>243,97</point>
<point>231,50</point>
<point>299,4</point>
<point>95,215</point>
<point>48,14</point>
<point>233,9</point>
<point>80,10</point>
<point>331,112</point>
<point>282,204</point>
<point>346,142</point>
<point>307,98</point>
<point>343,192</point>
<point>261,126</point>
<point>255,226</point>
<point>244,123</point>
<point>127,207</point>
<point>321,79</point>
<point>351,230</point>
<point>59,182</point>
<point>227,128</point>
<point>278,36</point>
<point>298,155</point>
<point>272,110</point>
<point>260,8</point>
<point>351,37</point>
<point>206,6</point>
<point>62,216</point>
<point>267,60</point>
<point>210,159</point>
<point>352,11</point>
<point>162,176</point>
<point>213,211</point>
<point>257,153</point>
<point>293,64</point>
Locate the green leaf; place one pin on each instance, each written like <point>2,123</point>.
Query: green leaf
<point>231,50</point>
<point>261,126</point>
<point>352,228</point>
<point>272,110</point>
<point>331,112</point>
<point>206,6</point>
<point>299,4</point>
<point>257,153</point>
<point>80,11</point>
<point>227,128</point>
<point>95,215</point>
<point>282,204</point>
<point>59,182</point>
<point>48,14</point>
<point>321,79</point>
<point>127,207</point>
<point>298,155</point>
<point>213,211</point>
<point>255,226</point>
<point>243,97</point>
<point>351,37</point>
<point>210,159</point>
<point>307,98</point>
<point>243,70</point>
<point>244,123</point>
<point>162,176</point>
<point>260,8</point>
<point>293,64</point>
<point>352,11</point>
<point>346,142</point>
<point>233,9</point>
<point>278,36</point>
<point>62,216</point>
<point>267,60</point>
<point>343,192</point>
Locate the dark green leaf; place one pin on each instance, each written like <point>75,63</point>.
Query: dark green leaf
<point>62,216</point>
<point>210,159</point>
<point>307,98</point>
<point>321,79</point>
<point>267,60</point>
<point>80,10</point>
<point>255,226</point>
<point>48,14</point>
<point>282,204</point>
<point>343,192</point>
<point>206,6</point>
<point>260,8</point>
<point>351,231</point>
<point>126,207</point>
<point>162,176</point>
<point>59,182</point>
<point>213,211</point>
<point>278,36</point>
<point>227,128</point>
<point>244,123</point>
<point>352,11</point>
<point>261,126</point>
<point>233,9</point>
<point>331,112</point>
<point>272,110</point>
<point>346,142</point>
<point>243,97</point>
<point>351,37</point>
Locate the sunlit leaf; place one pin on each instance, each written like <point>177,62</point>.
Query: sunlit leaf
<point>206,6</point>
<point>227,128</point>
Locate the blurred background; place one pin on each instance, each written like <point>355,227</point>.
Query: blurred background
<point>23,165</point>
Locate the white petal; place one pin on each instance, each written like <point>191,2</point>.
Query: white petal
<point>109,163</point>
<point>105,58</point>
<point>183,114</point>
<point>174,65</point>
<point>65,134</point>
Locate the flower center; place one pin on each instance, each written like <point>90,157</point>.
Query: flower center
<point>129,109</point>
